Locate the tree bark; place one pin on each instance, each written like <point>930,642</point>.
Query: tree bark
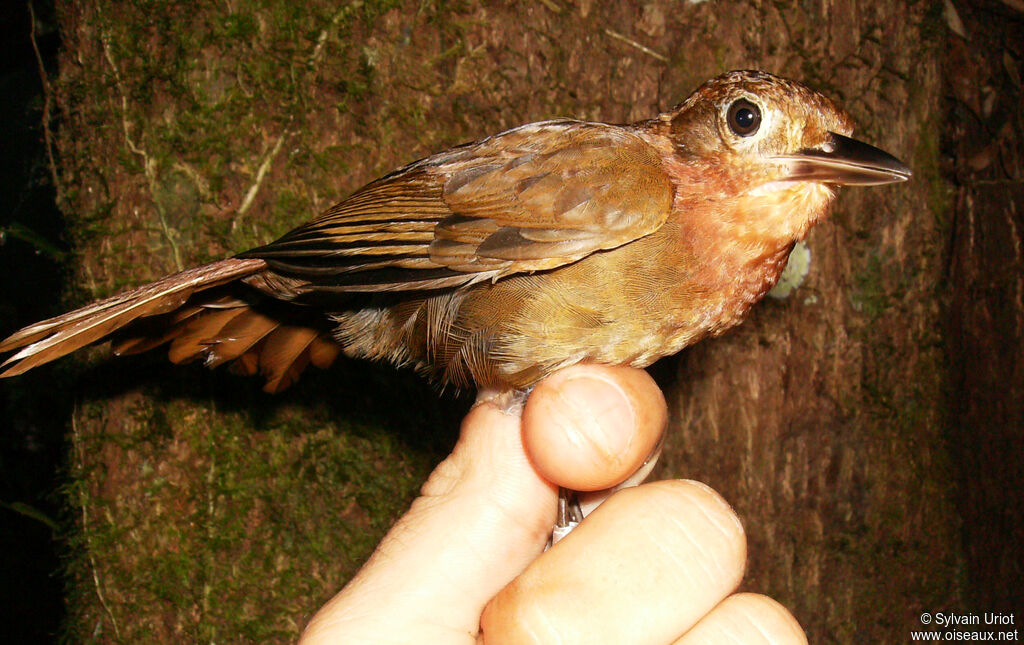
<point>206,510</point>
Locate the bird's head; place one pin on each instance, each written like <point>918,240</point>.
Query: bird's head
<point>775,143</point>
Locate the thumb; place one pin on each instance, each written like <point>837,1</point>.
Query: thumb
<point>588,427</point>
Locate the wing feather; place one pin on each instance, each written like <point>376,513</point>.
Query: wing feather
<point>529,199</point>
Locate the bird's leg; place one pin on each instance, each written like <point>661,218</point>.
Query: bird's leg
<point>569,515</point>
<point>574,506</point>
<point>510,402</point>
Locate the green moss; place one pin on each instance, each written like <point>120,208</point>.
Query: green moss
<point>926,167</point>
<point>231,519</point>
<point>238,27</point>
<point>870,294</point>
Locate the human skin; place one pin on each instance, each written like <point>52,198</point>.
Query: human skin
<point>466,564</point>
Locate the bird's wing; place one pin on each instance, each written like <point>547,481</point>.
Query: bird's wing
<point>533,198</point>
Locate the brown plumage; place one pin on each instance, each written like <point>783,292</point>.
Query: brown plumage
<point>498,261</point>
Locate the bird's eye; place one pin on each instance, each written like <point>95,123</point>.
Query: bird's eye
<point>744,118</point>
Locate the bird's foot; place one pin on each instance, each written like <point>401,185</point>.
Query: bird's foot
<point>574,506</point>
<point>510,402</point>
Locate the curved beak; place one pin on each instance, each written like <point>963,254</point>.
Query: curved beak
<point>846,161</point>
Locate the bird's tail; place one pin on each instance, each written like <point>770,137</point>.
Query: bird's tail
<point>197,319</point>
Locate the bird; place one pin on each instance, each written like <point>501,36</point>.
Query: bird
<point>497,262</point>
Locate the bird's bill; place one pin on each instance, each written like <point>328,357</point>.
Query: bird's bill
<point>845,161</point>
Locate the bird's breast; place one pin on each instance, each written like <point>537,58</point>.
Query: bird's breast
<point>630,305</point>
<point>696,276</point>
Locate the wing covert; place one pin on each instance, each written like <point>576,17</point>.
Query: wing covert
<point>532,198</point>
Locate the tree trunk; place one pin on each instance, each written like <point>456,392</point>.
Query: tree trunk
<point>206,510</point>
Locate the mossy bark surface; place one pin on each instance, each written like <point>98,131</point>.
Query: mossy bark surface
<point>206,510</point>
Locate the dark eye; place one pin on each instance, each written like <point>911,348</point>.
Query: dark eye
<point>744,118</point>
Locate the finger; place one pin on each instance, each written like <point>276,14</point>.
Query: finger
<point>746,619</point>
<point>589,426</point>
<point>643,568</point>
<point>484,514</point>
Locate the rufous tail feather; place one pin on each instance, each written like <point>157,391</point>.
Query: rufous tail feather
<point>218,328</point>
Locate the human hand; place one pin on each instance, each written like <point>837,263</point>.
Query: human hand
<point>467,564</point>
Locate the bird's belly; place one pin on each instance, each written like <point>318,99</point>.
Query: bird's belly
<point>610,308</point>
<point>628,306</point>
